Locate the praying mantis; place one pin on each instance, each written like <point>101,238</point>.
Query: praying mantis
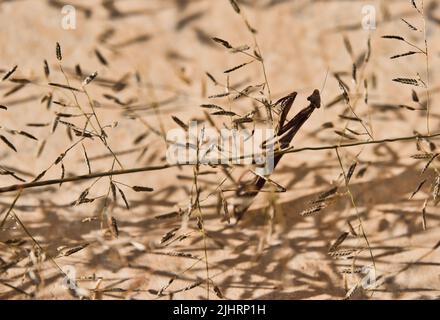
<point>250,184</point>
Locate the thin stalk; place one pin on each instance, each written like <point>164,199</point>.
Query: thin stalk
<point>358,216</point>
<point>42,183</point>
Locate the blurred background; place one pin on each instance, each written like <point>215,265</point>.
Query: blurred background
<point>152,58</point>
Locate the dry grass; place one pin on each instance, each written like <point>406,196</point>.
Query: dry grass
<point>85,182</point>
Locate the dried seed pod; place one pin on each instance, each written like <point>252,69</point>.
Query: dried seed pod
<point>350,172</point>
<point>46,69</point>
<point>225,44</point>
<point>344,253</point>
<point>313,210</point>
<point>409,81</point>
<point>142,189</point>
<point>235,6</point>
<point>8,143</point>
<point>181,124</point>
<point>170,234</point>
<point>338,241</point>
<point>68,251</point>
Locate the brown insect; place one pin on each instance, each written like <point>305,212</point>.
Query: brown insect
<point>250,184</point>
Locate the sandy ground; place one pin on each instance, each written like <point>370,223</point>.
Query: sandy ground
<point>167,44</point>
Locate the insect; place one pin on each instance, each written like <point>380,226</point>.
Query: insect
<point>250,184</point>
